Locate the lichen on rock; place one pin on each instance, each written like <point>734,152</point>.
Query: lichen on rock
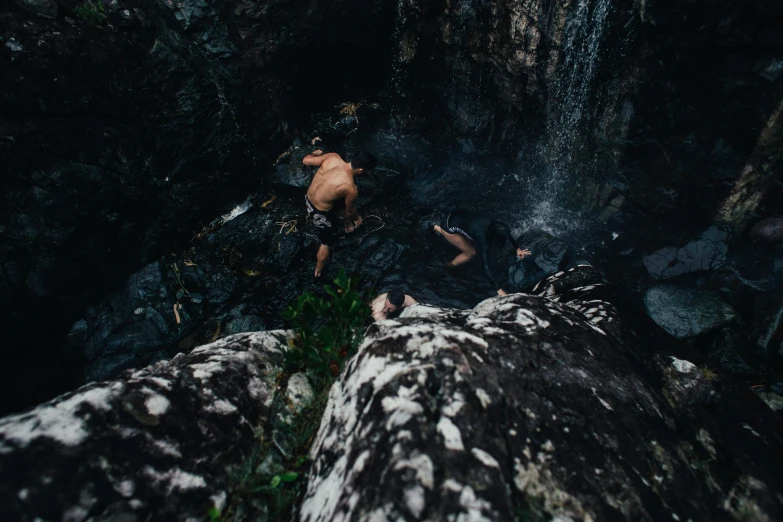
<point>152,445</point>
<point>524,405</point>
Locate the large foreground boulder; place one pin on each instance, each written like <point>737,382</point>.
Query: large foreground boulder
<point>537,408</point>
<point>151,446</point>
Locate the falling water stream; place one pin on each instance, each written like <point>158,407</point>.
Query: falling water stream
<point>573,85</point>
<point>567,118</point>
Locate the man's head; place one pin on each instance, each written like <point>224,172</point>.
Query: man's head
<point>363,161</point>
<point>394,300</point>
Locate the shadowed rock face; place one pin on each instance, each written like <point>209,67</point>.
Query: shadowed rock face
<point>546,405</point>
<point>153,445</point>
<point>528,406</point>
<point>124,128</point>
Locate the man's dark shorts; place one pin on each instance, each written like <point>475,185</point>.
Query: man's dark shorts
<point>326,223</point>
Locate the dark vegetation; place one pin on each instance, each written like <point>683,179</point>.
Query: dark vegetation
<point>328,330</point>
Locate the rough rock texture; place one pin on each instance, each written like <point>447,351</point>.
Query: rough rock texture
<point>757,176</point>
<point>767,326</point>
<point>685,312</point>
<point>548,255</point>
<point>705,253</point>
<point>123,129</point>
<point>239,273</point>
<point>768,230</point>
<point>728,350</point>
<point>535,408</point>
<point>152,445</point>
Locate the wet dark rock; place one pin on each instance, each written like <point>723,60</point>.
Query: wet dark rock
<point>548,256</point>
<point>729,351</point>
<point>625,243</point>
<point>524,273</point>
<point>236,278</point>
<point>724,161</point>
<point>154,445</point>
<point>768,230</point>
<point>125,127</point>
<point>526,405</point>
<point>245,323</point>
<point>687,312</point>
<point>705,253</point>
<point>132,325</point>
<point>291,172</point>
<point>744,279</point>
<point>46,8</point>
<point>766,331</point>
<point>773,400</point>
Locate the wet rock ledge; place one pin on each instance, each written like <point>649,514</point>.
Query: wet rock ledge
<point>562,405</point>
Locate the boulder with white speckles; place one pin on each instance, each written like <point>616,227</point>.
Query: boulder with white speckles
<point>538,408</point>
<point>153,445</point>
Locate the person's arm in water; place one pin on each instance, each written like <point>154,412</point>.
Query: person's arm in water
<point>316,158</point>
<point>351,215</point>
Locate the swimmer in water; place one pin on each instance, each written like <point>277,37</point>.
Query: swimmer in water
<point>472,234</point>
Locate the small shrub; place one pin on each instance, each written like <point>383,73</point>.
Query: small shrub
<point>92,11</point>
<point>326,330</point>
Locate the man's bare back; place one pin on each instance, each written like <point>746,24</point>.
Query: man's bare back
<point>333,181</point>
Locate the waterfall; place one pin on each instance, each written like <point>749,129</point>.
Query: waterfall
<point>572,87</point>
<point>552,181</point>
<point>406,40</point>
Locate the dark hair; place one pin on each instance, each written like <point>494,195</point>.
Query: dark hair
<point>364,160</point>
<point>396,297</point>
<point>497,232</point>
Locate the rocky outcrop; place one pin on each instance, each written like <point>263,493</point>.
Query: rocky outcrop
<point>685,312</point>
<point>153,445</point>
<point>561,404</point>
<point>127,124</point>
<point>535,408</point>
<point>237,275</point>
<point>768,230</point>
<point>548,255</point>
<point>757,176</point>
<point>702,254</point>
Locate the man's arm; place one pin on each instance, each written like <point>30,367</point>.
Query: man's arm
<point>351,215</point>
<point>377,308</point>
<point>315,158</point>
<point>409,301</point>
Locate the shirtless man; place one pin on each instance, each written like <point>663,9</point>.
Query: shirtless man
<point>334,180</point>
<point>386,304</point>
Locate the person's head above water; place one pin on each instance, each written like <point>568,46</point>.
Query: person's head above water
<point>394,299</point>
<point>497,232</point>
<point>363,161</point>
